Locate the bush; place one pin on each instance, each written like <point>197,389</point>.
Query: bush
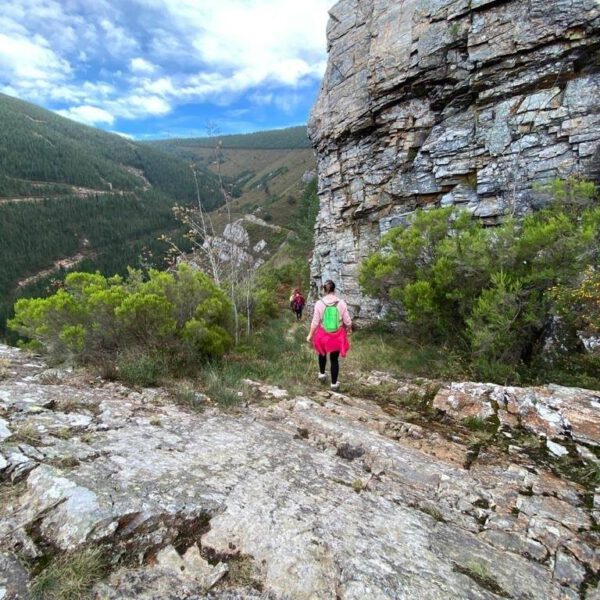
<point>579,304</point>
<point>135,367</point>
<point>144,326</point>
<point>492,292</point>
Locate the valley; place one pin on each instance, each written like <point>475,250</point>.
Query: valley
<point>71,195</point>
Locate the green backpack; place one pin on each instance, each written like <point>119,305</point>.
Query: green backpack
<point>331,318</point>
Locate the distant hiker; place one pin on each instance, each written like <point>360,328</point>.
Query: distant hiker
<point>329,331</point>
<point>297,303</point>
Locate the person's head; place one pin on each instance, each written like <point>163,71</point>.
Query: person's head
<point>329,287</point>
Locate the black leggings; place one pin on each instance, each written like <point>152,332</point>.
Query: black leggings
<point>335,364</point>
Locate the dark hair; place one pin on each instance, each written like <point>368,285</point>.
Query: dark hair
<point>329,287</point>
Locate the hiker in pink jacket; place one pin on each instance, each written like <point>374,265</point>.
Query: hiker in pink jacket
<point>329,331</point>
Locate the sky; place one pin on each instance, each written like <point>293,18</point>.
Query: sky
<point>166,68</point>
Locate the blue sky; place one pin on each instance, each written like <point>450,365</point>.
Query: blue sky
<point>166,68</point>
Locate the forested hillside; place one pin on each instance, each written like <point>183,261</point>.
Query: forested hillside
<point>276,139</point>
<point>44,154</point>
<point>265,170</point>
<point>71,195</point>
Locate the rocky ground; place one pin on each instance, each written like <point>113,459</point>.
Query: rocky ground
<point>408,491</point>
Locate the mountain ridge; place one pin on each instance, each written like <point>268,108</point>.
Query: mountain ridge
<point>75,196</point>
<point>40,150</point>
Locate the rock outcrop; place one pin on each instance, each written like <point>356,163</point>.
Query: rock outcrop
<point>448,102</point>
<point>328,496</point>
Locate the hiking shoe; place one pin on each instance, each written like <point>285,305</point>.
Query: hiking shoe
<point>335,387</point>
<point>322,377</point>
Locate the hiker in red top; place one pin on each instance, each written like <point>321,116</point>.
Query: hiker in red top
<point>329,331</point>
<point>297,303</point>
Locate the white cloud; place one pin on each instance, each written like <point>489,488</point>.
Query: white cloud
<point>137,106</point>
<point>262,99</point>
<point>253,41</point>
<point>118,42</point>
<point>162,87</point>
<point>90,115</point>
<point>105,60</point>
<point>27,59</point>
<point>286,102</point>
<point>141,65</point>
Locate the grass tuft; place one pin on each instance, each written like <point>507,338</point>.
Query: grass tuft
<point>377,349</point>
<point>433,512</point>
<point>480,574</point>
<point>277,355</point>
<point>141,369</point>
<point>243,573</point>
<point>70,576</point>
<point>4,368</point>
<point>358,485</point>
<point>27,433</point>
<point>185,394</point>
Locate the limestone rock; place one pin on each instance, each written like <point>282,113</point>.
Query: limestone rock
<point>556,449</point>
<point>235,232</point>
<point>191,565</point>
<point>259,247</point>
<point>13,578</point>
<point>550,411</point>
<point>329,497</point>
<point>309,176</point>
<point>173,576</point>
<point>270,391</point>
<point>5,432</point>
<point>447,103</point>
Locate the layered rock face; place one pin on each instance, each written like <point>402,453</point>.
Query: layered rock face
<point>447,102</point>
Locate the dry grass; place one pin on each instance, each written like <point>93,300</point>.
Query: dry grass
<point>69,405</point>
<point>27,433</point>
<point>70,576</point>
<point>480,574</point>
<point>4,368</point>
<point>50,377</point>
<point>358,485</point>
<point>10,492</point>
<point>64,433</point>
<point>379,350</point>
<point>243,573</point>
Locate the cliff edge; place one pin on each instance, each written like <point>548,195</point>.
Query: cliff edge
<point>447,102</point>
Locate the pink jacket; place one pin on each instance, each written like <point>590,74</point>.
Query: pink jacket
<point>329,300</point>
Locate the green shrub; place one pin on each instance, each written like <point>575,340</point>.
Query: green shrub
<point>138,368</point>
<point>140,324</point>
<point>579,304</point>
<point>491,292</point>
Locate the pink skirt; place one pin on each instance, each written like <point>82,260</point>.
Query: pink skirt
<point>324,342</point>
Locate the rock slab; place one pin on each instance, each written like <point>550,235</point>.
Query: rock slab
<point>328,497</point>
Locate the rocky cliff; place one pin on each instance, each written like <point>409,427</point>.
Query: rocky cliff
<point>448,102</point>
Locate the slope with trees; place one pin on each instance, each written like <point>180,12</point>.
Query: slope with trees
<point>74,194</point>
